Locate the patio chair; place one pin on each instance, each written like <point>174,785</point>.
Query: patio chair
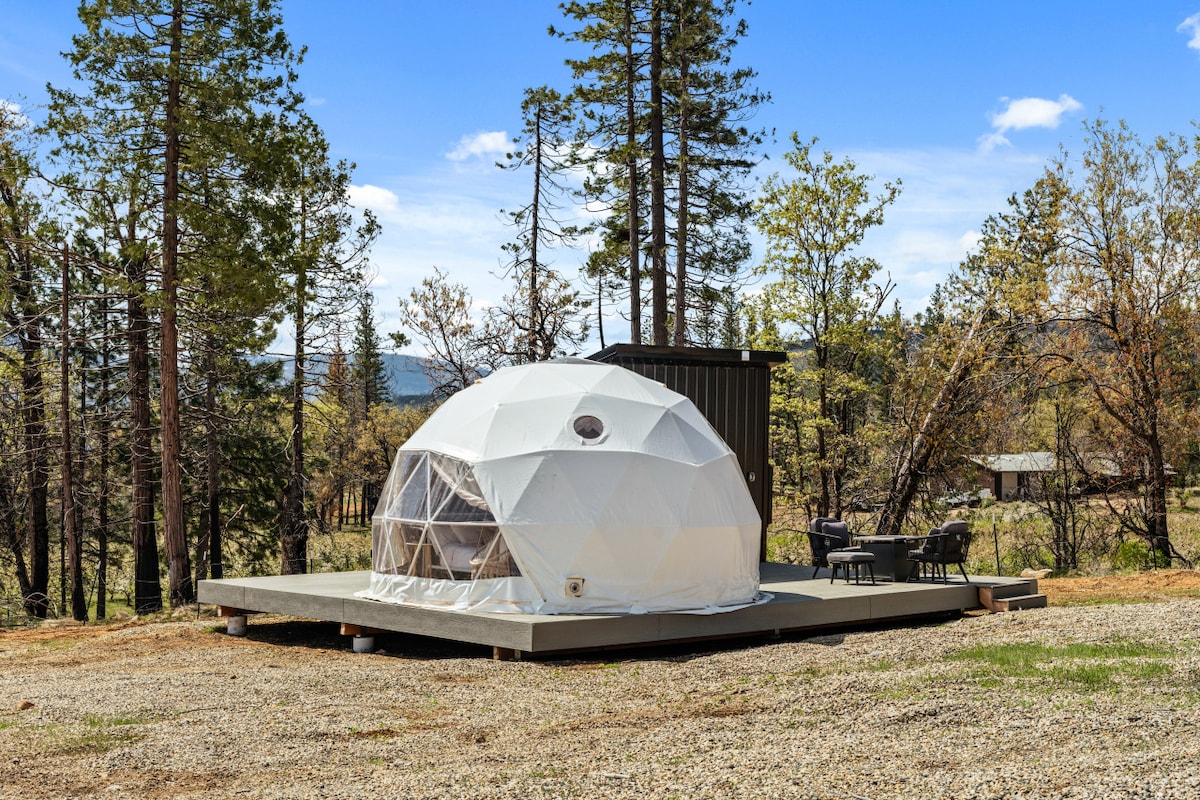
<point>921,557</point>
<point>945,545</point>
<point>827,535</point>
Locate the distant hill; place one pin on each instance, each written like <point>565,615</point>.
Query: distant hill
<point>406,375</point>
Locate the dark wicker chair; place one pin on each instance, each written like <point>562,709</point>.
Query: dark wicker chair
<point>921,557</point>
<point>826,535</point>
<point>944,546</point>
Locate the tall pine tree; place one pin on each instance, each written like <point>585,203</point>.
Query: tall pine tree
<point>171,90</point>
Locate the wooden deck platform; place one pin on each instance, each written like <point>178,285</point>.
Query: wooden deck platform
<point>799,603</point>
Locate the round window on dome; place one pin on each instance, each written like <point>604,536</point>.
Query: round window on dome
<point>588,428</point>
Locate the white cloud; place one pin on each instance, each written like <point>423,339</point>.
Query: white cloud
<point>990,141</point>
<point>489,144</point>
<point>1026,112</point>
<point>381,201</point>
<point>969,241</point>
<point>1191,25</point>
<point>10,113</point>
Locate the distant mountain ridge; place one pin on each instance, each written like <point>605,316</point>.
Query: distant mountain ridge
<point>405,374</point>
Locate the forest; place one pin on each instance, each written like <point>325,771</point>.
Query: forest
<point>174,218</point>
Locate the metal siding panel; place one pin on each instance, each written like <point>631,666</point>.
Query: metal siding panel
<point>735,399</point>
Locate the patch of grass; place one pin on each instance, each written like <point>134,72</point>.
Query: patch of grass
<point>1079,667</point>
<point>97,735</point>
<point>1019,654</point>
<point>98,721</point>
<point>1086,675</point>
<point>1117,649</point>
<point>93,743</point>
<point>56,642</point>
<point>95,739</point>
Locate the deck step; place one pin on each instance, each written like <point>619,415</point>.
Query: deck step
<point>991,597</point>
<point>1017,602</point>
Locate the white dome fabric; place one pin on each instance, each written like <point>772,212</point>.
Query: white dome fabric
<point>567,486</point>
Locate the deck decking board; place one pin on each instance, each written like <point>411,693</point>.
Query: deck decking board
<point>798,602</point>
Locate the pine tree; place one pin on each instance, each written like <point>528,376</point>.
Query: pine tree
<point>23,305</point>
<point>165,78</point>
<point>541,315</point>
<point>610,91</point>
<point>370,389</point>
<point>709,109</point>
<point>324,253</point>
<point>658,100</point>
<point>368,373</point>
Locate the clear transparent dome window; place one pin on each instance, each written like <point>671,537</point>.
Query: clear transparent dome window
<point>436,524</point>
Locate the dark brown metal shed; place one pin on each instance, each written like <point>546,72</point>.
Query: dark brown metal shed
<point>732,389</point>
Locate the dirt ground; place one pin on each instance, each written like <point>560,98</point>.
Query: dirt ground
<point>1141,587</point>
<point>172,708</point>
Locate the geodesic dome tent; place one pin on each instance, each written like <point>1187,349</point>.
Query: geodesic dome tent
<point>566,486</point>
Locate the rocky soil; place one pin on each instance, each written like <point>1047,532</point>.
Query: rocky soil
<point>1082,701</point>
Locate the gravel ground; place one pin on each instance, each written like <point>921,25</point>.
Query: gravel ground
<point>180,710</point>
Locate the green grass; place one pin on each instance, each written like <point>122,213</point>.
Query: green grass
<point>98,721</point>
<point>99,735</point>
<point>1074,667</point>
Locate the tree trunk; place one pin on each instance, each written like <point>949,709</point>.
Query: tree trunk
<point>147,591</point>
<point>179,570</point>
<point>824,500</point>
<point>635,247</point>
<point>33,412</point>
<point>208,545</point>
<point>104,435</point>
<point>293,527</point>
<point>538,349</point>
<point>12,540</point>
<point>658,201</point>
<point>681,215</point>
<point>1156,501</point>
<point>71,531</point>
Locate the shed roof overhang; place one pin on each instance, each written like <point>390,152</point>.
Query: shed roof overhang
<point>688,355</point>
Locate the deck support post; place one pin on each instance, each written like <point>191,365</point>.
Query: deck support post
<point>235,620</point>
<point>505,654</point>
<point>364,637</point>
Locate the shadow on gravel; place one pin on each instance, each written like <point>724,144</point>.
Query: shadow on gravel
<point>686,651</point>
<point>327,636</point>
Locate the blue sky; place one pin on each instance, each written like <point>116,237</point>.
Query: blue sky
<point>964,102</point>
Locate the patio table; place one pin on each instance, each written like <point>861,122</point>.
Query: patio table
<point>891,554</point>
